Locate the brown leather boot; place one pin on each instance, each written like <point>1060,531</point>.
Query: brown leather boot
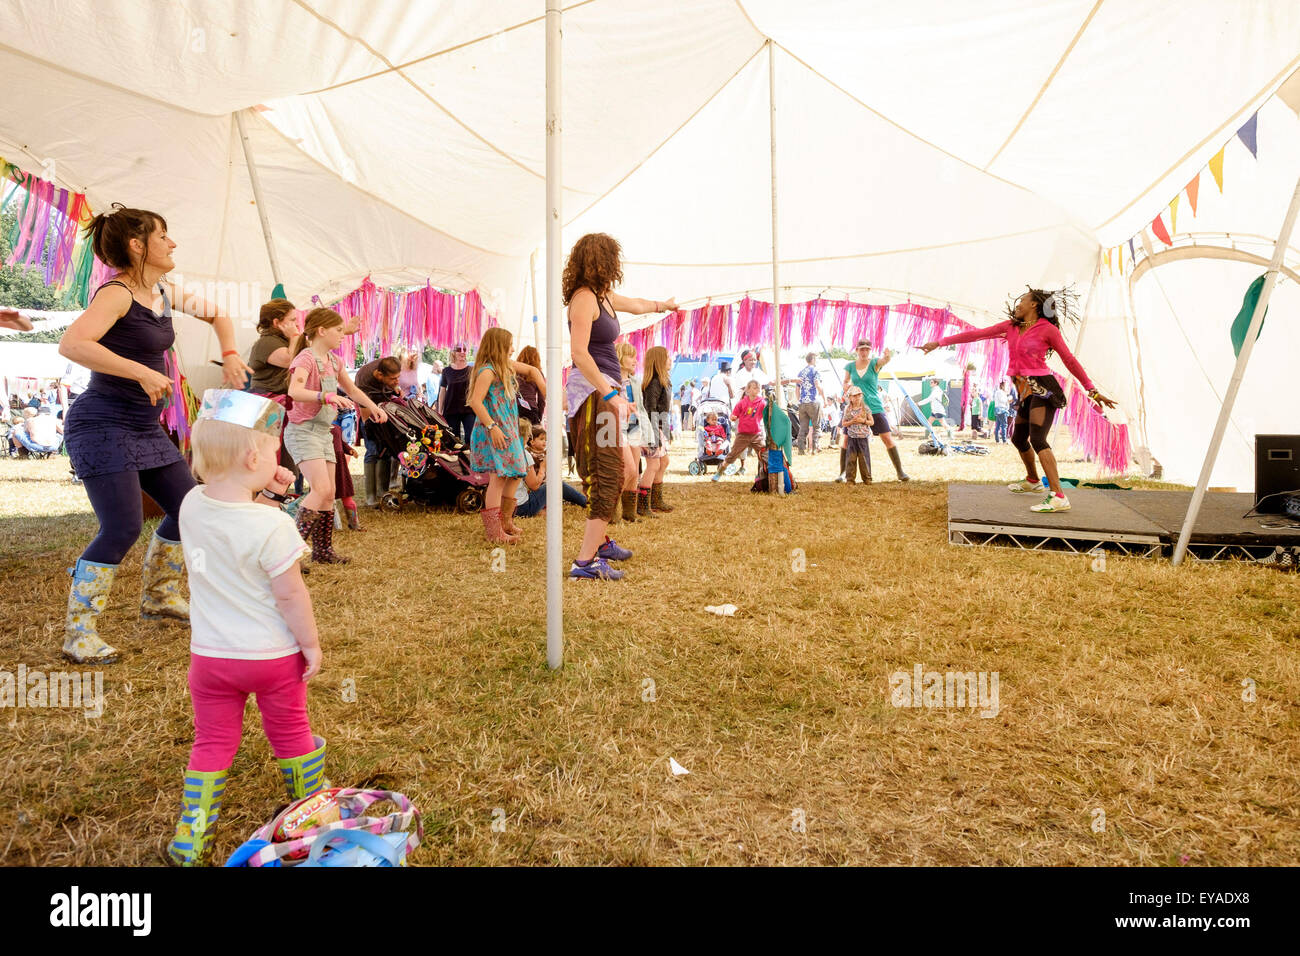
<point>629,506</point>
<point>657,498</point>
<point>643,504</point>
<point>508,519</point>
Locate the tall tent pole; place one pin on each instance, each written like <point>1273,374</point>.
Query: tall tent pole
<point>257,196</point>
<point>532,282</point>
<point>776,295</point>
<point>1256,320</point>
<point>554,343</point>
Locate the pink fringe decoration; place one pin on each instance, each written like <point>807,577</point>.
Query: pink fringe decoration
<point>423,317</point>
<point>1100,439</point>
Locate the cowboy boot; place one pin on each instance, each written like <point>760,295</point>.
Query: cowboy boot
<point>657,498</point>
<point>629,506</point>
<point>643,504</point>
<point>200,807</point>
<point>508,519</point>
<point>304,775</point>
<point>164,566</point>
<point>492,527</point>
<point>91,582</point>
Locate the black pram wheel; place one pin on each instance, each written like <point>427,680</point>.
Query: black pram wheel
<point>469,501</point>
<point>693,468</point>
<point>392,502</point>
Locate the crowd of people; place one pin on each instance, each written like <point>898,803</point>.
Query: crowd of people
<point>289,413</point>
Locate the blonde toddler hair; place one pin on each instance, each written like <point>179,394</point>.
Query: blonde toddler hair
<point>220,446</point>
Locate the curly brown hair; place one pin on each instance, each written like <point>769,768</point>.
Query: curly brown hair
<point>595,263</point>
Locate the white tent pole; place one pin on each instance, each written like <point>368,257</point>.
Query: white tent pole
<point>776,295</point>
<point>554,343</point>
<point>532,283</point>
<point>257,196</point>
<point>1229,397</point>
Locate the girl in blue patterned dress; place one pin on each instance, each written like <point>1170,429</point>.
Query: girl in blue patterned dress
<point>495,445</point>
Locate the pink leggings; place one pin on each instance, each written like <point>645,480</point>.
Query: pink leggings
<point>219,688</point>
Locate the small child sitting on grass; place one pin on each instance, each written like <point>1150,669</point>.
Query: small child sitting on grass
<point>252,626</point>
<point>530,495</point>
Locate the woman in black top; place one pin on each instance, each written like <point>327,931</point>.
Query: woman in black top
<point>532,404</point>
<point>453,391</point>
<point>655,392</point>
<point>114,437</point>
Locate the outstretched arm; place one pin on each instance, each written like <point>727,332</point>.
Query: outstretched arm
<point>622,303</point>
<point>973,335</point>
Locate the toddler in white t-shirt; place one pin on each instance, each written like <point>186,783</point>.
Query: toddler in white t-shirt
<point>252,626</point>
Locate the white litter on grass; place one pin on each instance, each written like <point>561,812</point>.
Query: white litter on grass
<point>677,769</point>
<point>724,610</point>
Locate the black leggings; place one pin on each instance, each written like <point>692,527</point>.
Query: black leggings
<point>117,504</point>
<point>1025,436</point>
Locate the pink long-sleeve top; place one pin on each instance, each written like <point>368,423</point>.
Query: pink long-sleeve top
<point>1028,350</point>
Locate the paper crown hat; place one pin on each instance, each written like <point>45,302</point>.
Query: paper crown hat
<point>242,408</point>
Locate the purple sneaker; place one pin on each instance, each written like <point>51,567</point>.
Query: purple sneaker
<point>610,551</point>
<point>595,568</point>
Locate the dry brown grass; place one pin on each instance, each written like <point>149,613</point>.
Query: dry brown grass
<point>1119,690</point>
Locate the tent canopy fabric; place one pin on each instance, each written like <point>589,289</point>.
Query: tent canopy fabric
<point>937,149</point>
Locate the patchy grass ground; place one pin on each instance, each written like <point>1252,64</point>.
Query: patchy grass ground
<point>1119,691</point>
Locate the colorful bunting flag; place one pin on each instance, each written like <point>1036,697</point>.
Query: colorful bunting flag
<point>1247,134</point>
<point>1193,190</point>
<point>1216,168</point>
<point>1173,215</point>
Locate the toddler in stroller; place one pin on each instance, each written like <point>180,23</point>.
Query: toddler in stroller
<point>712,436</point>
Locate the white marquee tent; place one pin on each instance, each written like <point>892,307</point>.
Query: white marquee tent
<point>938,149</point>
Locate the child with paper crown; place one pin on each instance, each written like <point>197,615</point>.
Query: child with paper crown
<point>252,626</point>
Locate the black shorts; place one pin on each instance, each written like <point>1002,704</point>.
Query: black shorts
<point>881,424</point>
<point>1038,390</point>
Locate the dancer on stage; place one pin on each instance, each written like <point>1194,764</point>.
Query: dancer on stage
<point>595,400</point>
<point>114,437</point>
<point>864,373</point>
<point>1032,333</point>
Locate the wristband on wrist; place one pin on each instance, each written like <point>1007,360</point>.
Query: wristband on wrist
<point>605,398</point>
<point>229,352</point>
<point>268,493</point>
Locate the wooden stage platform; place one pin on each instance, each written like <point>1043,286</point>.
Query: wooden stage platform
<point>1140,523</point>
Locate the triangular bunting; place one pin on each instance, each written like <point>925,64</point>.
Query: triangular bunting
<point>1173,215</point>
<point>1216,168</point>
<point>1132,256</point>
<point>1120,257</point>
<point>1109,268</point>
<point>1158,227</point>
<point>1247,134</point>
<point>1193,190</point>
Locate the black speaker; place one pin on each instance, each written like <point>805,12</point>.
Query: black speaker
<point>1277,471</point>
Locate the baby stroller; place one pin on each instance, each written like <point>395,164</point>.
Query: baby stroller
<point>434,462</point>
<point>708,451</point>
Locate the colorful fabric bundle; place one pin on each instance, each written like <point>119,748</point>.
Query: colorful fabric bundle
<point>332,828</point>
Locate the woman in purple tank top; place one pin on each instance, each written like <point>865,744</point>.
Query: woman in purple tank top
<point>597,407</point>
<point>114,437</point>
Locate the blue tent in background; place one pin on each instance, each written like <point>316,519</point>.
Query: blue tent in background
<point>696,369</point>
